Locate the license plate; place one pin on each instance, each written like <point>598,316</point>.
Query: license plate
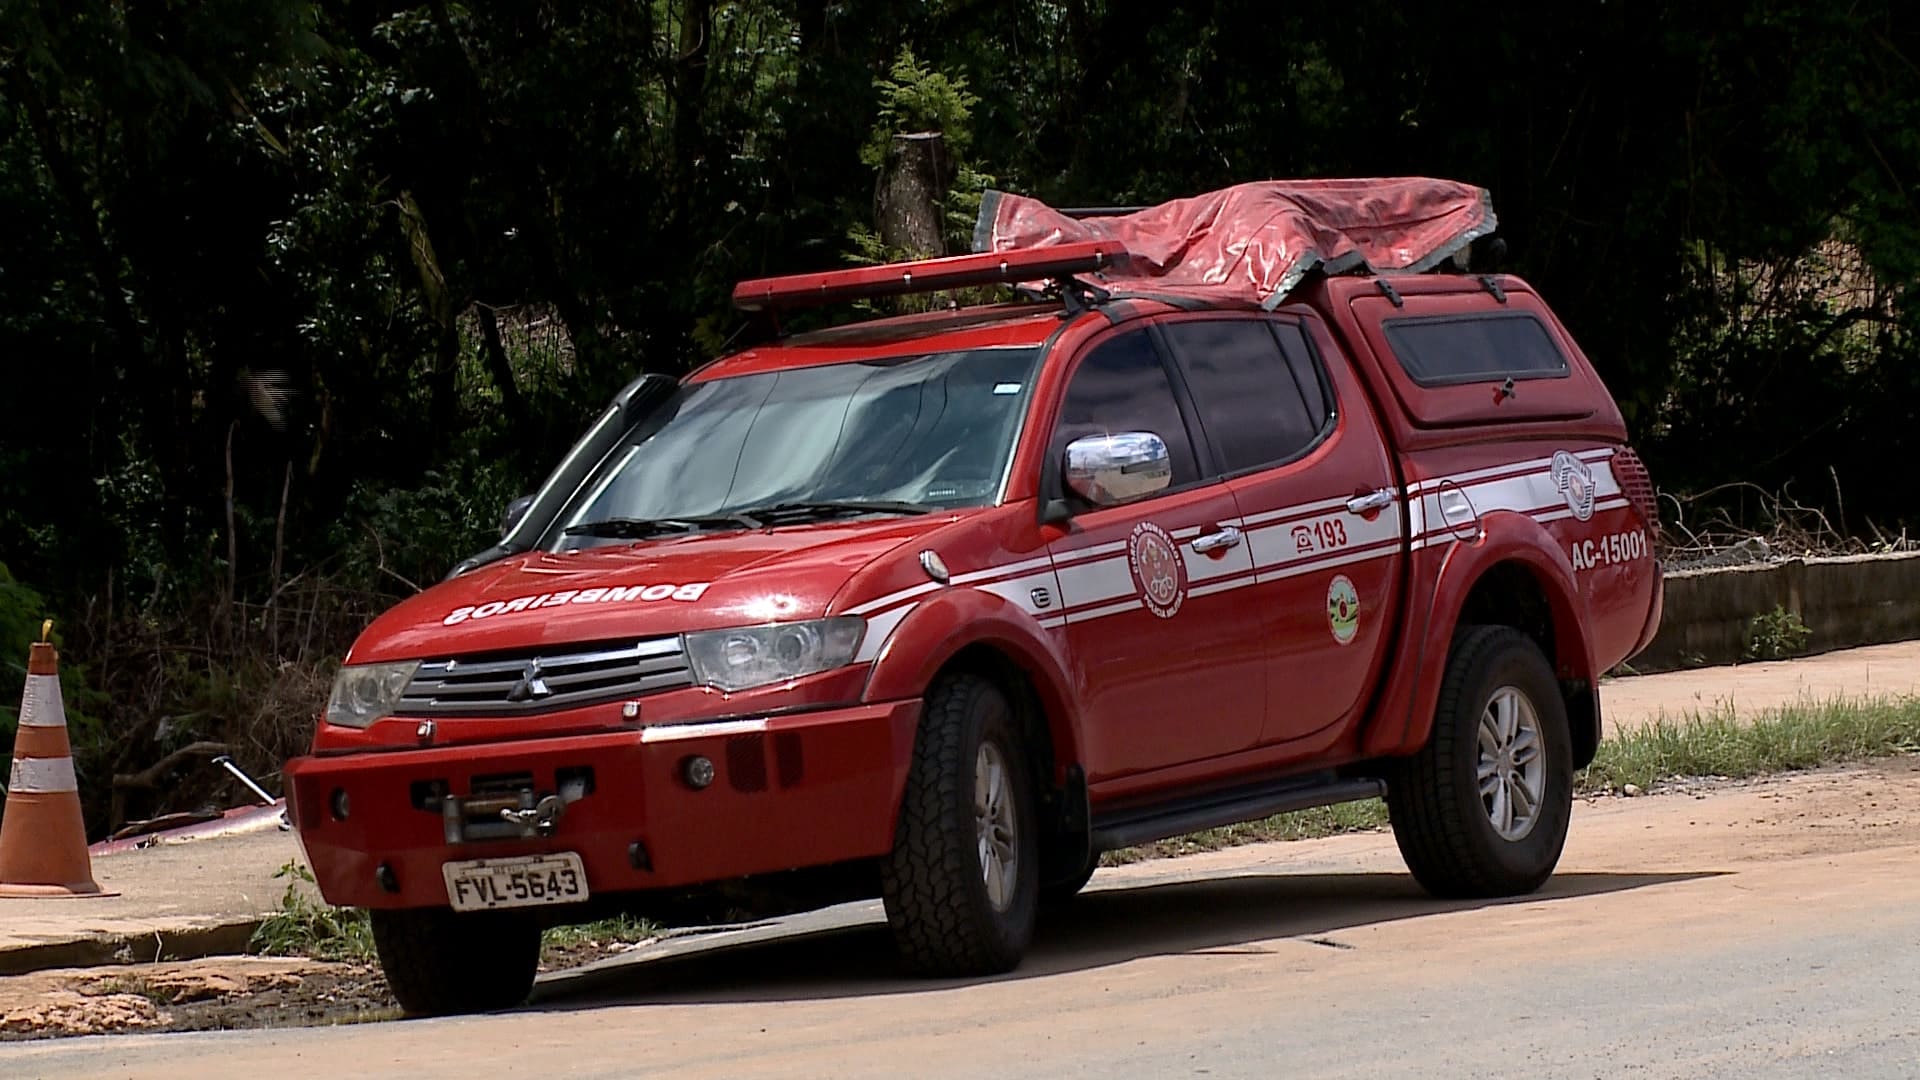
<point>521,881</point>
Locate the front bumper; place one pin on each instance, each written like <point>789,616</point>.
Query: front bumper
<point>788,792</point>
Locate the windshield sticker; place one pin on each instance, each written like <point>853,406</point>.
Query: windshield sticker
<point>1157,569</point>
<point>1343,609</point>
<point>1006,388</point>
<point>615,594</point>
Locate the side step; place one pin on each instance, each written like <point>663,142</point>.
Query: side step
<point>1145,824</point>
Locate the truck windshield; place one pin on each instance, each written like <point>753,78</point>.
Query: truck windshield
<point>932,431</point>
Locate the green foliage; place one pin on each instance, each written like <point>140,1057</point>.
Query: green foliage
<point>914,97</point>
<point>301,291</point>
<point>1777,635</point>
<point>21,612</point>
<point>306,926</point>
<point>1722,743</point>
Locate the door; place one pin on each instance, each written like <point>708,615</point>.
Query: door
<point>1169,659</point>
<point>1288,425</point>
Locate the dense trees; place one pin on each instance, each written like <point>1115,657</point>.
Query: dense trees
<point>294,293</point>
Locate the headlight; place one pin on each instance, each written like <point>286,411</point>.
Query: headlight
<point>757,655</point>
<point>363,693</point>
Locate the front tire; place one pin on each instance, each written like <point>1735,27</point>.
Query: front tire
<point>961,883</point>
<point>438,961</point>
<point>1482,810</point>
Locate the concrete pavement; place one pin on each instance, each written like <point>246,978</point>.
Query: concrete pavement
<point>1876,671</point>
<point>176,900</point>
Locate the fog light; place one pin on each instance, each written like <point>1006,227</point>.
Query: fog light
<point>697,771</point>
<point>340,804</point>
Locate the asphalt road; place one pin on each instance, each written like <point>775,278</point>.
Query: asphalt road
<point>1770,930</point>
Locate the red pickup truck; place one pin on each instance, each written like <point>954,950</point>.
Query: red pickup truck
<point>938,608</point>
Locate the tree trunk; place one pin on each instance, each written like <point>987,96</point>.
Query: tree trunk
<point>495,352</point>
<point>913,184</point>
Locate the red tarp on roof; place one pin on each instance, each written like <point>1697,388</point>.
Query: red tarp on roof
<point>1257,240</point>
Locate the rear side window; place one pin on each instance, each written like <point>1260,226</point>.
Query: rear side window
<point>1260,403</point>
<point>1449,349</point>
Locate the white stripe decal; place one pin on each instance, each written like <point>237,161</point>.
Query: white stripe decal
<point>1303,510</point>
<point>879,629</point>
<point>894,598</point>
<point>1089,579</point>
<point>1066,558</point>
<point>675,732</point>
<point>42,776</point>
<point>1536,464</point>
<point>1101,612</point>
<point>1091,583</point>
<point>40,706</point>
<point>1222,586</point>
<point>1019,591</point>
<point>1280,545</point>
<point>993,572</point>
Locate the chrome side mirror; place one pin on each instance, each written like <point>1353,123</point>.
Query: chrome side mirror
<point>1106,470</point>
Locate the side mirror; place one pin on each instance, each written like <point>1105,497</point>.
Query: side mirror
<point>516,510</point>
<point>1106,470</point>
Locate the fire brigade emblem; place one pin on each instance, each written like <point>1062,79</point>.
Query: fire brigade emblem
<point>1157,570</point>
<point>1574,479</point>
<point>1343,608</point>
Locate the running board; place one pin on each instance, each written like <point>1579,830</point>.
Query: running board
<point>1143,825</point>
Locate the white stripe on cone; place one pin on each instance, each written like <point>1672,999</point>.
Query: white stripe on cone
<point>41,706</point>
<point>43,776</point>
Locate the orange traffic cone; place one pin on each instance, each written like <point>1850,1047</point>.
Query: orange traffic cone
<point>43,841</point>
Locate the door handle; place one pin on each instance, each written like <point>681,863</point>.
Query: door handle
<point>1371,503</point>
<point>1217,541</point>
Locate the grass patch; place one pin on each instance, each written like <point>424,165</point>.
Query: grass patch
<point>1778,740</point>
<point>569,946</point>
<point>1363,816</point>
<point>306,926</point>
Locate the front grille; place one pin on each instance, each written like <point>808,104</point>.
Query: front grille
<point>513,685</point>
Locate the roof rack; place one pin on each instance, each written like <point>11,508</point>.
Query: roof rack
<point>1058,263</point>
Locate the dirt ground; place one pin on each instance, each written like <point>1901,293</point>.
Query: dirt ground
<point>191,995</point>
<point>1783,819</point>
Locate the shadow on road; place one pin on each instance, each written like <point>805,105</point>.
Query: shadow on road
<point>1102,927</point>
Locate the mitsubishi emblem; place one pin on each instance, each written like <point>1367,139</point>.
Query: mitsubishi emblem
<point>532,685</point>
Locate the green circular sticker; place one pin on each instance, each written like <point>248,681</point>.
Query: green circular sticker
<point>1343,608</point>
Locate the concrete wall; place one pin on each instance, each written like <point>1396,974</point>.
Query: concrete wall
<point>1846,602</point>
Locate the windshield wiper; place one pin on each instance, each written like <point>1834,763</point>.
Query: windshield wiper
<point>641,528</point>
<point>836,508</point>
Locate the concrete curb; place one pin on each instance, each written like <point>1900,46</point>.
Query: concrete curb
<point>225,938</point>
<point>1848,601</point>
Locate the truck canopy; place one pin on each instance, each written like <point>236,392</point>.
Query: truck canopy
<point>1254,242</point>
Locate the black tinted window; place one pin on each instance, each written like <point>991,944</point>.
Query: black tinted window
<point>1474,348</point>
<point>1122,386</point>
<point>1258,404</point>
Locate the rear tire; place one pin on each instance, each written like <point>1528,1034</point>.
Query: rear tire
<point>961,883</point>
<point>438,961</point>
<point>1482,810</point>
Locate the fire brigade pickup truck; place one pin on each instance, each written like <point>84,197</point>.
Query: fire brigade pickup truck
<point>1257,501</point>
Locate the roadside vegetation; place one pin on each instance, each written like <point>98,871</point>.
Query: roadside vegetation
<point>307,926</point>
<point>294,326</point>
